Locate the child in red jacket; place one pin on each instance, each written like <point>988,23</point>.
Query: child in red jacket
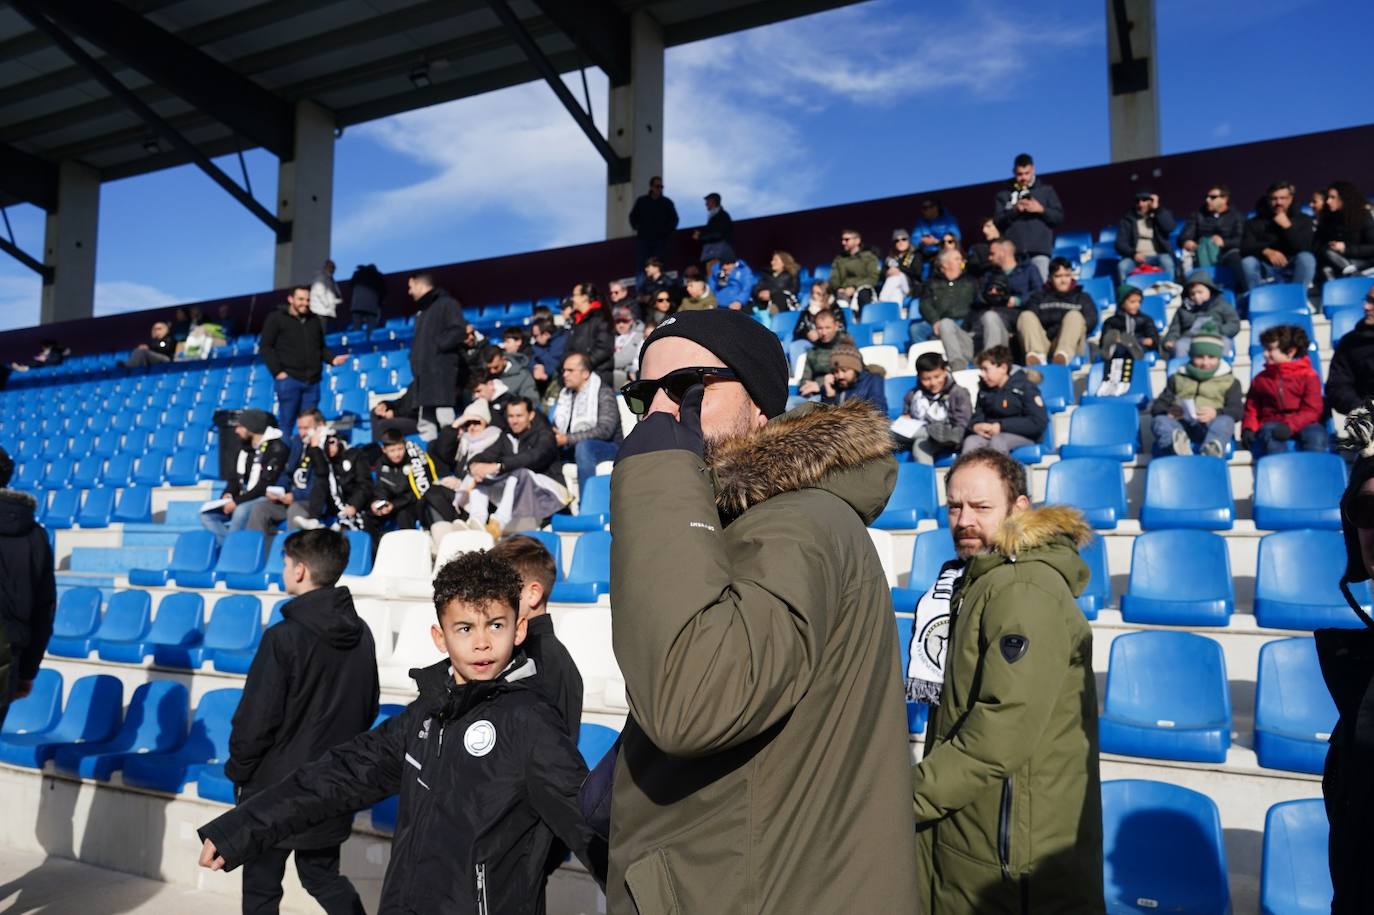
<point>1285,399</point>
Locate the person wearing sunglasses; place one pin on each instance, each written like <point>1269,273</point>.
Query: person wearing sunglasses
<point>935,223</point>
<point>1351,379</point>
<point>1142,238</point>
<point>753,625</point>
<point>654,219</point>
<point>1211,236</point>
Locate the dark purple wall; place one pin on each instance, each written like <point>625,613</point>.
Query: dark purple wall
<point>1092,197</point>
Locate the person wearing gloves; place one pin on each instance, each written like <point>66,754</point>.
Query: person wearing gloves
<point>1202,301</point>
<point>1201,401</point>
<point>1285,398</point>
<point>771,661</point>
<point>262,457</point>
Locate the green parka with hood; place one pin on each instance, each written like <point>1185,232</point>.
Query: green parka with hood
<point>1007,798</point>
<point>765,766</point>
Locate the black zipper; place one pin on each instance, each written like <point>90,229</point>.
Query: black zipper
<point>1004,829</point>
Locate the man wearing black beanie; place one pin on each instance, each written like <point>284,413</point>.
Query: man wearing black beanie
<point>753,624</point>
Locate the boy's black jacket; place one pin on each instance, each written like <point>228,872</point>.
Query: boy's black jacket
<point>487,776</point>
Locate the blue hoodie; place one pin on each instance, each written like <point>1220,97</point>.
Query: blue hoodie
<point>939,226</point>
<point>738,287</point>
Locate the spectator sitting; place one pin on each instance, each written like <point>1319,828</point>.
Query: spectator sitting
<point>817,365</point>
<point>617,295</point>
<point>660,307</point>
<point>400,413</point>
<point>343,484</point>
<point>777,289</point>
<point>896,284</point>
<point>1345,232</point>
<point>734,284</point>
<point>994,313</point>
<point>1351,381</point>
<point>1010,413</point>
<point>510,370</point>
<point>527,443</point>
<point>652,282</point>
<point>496,395</point>
<point>1201,401</point>
<point>407,490</point>
<point>181,324</point>
<point>850,380</point>
<point>591,333</point>
<point>515,343</point>
<point>980,252</point>
<point>1143,237</point>
<point>1212,235</point>
<point>935,413</point>
<point>855,272</point>
<point>366,290</point>
<point>261,459</point>
<point>1202,301</point>
<point>586,419</point>
<point>547,344</point>
<point>30,590</point>
<point>1285,398</point>
<point>906,258</point>
<point>817,301</point>
<point>496,499</point>
<point>935,223</point>
<point>159,350</point>
<point>50,354</point>
<point>716,235</point>
<point>1277,244</point>
<point>1026,211</point>
<point>1023,279</point>
<point>471,433</point>
<point>1056,319</point>
<point>1126,336</point>
<point>946,301</point>
<point>699,296</point>
<point>629,337</point>
<point>289,499</point>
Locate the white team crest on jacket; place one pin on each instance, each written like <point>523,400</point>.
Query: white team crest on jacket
<point>480,738</point>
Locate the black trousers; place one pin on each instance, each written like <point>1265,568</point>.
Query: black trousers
<point>318,869</point>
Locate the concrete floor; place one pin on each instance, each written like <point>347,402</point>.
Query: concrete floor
<point>31,883</point>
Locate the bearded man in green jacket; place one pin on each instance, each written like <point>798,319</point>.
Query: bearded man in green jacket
<point>1007,798</point>
<point>765,766</point>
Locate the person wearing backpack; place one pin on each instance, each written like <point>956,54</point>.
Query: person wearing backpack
<point>28,590</point>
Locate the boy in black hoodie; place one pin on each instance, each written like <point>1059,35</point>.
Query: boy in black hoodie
<point>312,686</point>
<point>477,816</point>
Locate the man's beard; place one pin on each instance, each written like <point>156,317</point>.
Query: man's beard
<point>965,552</point>
<point>741,425</point>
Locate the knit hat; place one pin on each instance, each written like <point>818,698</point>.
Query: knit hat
<point>846,356</point>
<point>750,350</point>
<point>1207,340</point>
<point>478,409</point>
<point>1202,278</point>
<point>900,234</point>
<point>255,421</point>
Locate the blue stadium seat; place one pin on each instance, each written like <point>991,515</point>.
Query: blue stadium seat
<point>862,334</point>
<point>1297,582</point>
<point>784,323</point>
<point>1056,387</point>
<point>164,439</point>
<point>270,572</point>
<point>92,714</point>
<point>244,553</point>
<point>590,576</point>
<point>1299,489</point>
<point>155,722</point>
<point>929,551</point>
<point>1295,876</point>
<point>61,511</point>
<point>898,334</point>
<point>119,470</point>
<point>913,499</point>
<point>214,785</point>
<point>1098,593</point>
<point>1034,454</point>
<point>1192,492</point>
<point>98,507</point>
<point>1345,292</point>
<point>1260,323</point>
<point>384,811</point>
<point>232,635</point>
<point>1166,698</point>
<point>1140,393</point>
<point>1160,560</point>
<point>1103,430</point>
<point>1093,485</point>
<point>359,553</point>
<point>125,627</point>
<point>917,713</point>
<point>1278,297</point>
<point>1156,307</point>
<point>593,511</point>
<point>176,631</point>
<point>593,740</point>
<point>135,505</point>
<point>1162,850</point>
<point>207,744</point>
<point>58,474</point>
<point>193,556</point>
<point>553,543</point>
<point>1343,320</point>
<point>880,312</point>
<point>896,389</point>
<point>86,473</point>
<point>1073,238</point>
<point>40,710</point>
<point>184,469</point>
<point>820,272</point>
<point>150,469</point>
<point>76,622</point>
<point>1294,713</point>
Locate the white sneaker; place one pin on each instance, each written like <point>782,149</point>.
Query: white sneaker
<point>1212,448</point>
<point>306,524</point>
<point>1183,446</point>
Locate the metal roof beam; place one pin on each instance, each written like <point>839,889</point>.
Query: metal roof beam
<point>27,178</point>
<point>599,29</point>
<point>28,260</point>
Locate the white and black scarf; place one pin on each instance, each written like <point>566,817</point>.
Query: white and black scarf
<point>925,675</point>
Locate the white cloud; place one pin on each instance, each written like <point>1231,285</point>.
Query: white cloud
<point>1222,130</point>
<point>20,298</point>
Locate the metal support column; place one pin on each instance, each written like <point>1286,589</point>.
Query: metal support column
<point>69,246</point>
<point>1133,99</point>
<point>636,123</point>
<point>305,197</point>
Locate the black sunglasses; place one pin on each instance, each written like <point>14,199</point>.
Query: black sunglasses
<point>640,394</point>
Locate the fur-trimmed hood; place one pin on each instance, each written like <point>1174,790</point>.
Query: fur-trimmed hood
<point>1052,534</point>
<point>16,512</point>
<point>845,450</point>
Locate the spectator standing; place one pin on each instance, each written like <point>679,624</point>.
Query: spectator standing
<point>1008,796</point>
<point>718,234</point>
<point>1057,319</point>
<point>1201,401</point>
<point>591,333</point>
<point>436,358</point>
<point>654,220</point>
<point>1285,398</point>
<point>1344,237</point>
<point>935,413</point>
<point>586,419</point>
<point>292,503</point>
<point>261,459</point>
<point>1027,212</point>
<point>934,224</point>
<point>1213,235</point>
<point>1143,237</point>
<point>548,342</point>
<point>855,273</point>
<point>629,337</point>
<point>1010,413</point>
<point>850,380</point>
<point>159,350</point>
<point>771,661</point>
<point>734,284</point>
<point>312,686</point>
<point>1277,245</point>
<point>699,296</point>
<point>1203,302</point>
<point>293,348</point>
<point>946,302</point>
<point>777,289</point>
<point>1351,381</point>
<point>325,297</point>
<point>28,598</point>
<point>817,366</point>
<point>367,289</point>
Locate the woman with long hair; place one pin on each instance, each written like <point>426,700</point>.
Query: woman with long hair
<point>1345,232</point>
<point>591,332</point>
<point>776,289</point>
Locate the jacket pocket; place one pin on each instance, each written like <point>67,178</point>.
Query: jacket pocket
<point>1004,827</point>
<point>651,885</point>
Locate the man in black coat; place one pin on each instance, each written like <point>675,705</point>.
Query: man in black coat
<point>1351,381</point>
<point>654,219</point>
<point>312,686</point>
<point>28,594</point>
<point>292,344</point>
<point>436,354</point>
<point>1143,236</point>
<point>1026,211</point>
<point>1216,230</point>
<point>159,350</point>
<point>527,443</point>
<point>717,234</point>
<point>1277,244</point>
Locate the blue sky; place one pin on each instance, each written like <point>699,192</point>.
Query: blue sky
<point>882,98</point>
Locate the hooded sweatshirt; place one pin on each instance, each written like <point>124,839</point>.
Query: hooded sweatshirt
<point>1284,392</point>
<point>28,593</point>
<point>1217,308</point>
<point>258,466</point>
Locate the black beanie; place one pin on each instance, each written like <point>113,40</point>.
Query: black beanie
<point>750,350</point>
<point>255,421</point>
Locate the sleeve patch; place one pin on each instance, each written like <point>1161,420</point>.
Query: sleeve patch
<point>1014,647</point>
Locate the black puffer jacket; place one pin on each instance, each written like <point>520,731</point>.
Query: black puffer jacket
<point>1016,405</point>
<point>535,450</point>
<point>436,353</point>
<point>258,467</point>
<point>1359,240</point>
<point>1204,224</point>
<point>1050,306</point>
<point>294,345</point>
<point>1351,381</point>
<point>312,686</point>
<point>1262,232</point>
<point>487,777</point>
<point>594,338</point>
<point>28,595</point>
